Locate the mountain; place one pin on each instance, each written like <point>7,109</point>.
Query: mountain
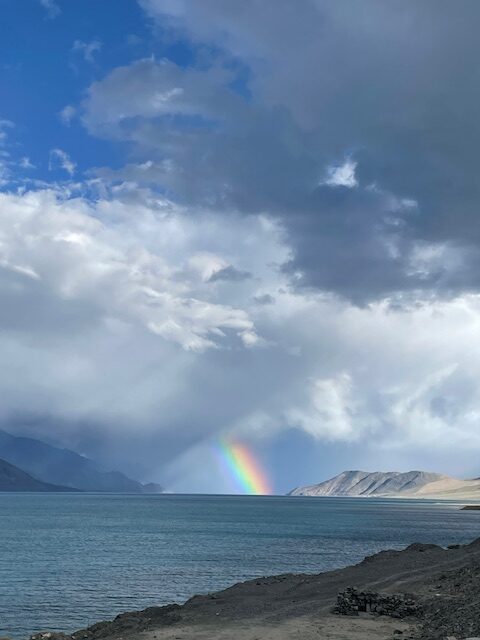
<point>14,479</point>
<point>411,484</point>
<point>64,467</point>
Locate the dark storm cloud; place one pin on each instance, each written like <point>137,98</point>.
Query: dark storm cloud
<point>264,298</point>
<point>230,274</point>
<point>393,86</point>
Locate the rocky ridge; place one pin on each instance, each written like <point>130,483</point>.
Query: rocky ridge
<point>392,484</point>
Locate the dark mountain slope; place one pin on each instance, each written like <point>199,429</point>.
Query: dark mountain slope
<point>14,479</point>
<point>63,467</point>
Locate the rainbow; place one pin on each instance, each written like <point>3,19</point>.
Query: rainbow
<point>241,465</point>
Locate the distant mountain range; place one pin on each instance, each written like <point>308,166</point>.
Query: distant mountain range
<point>51,465</point>
<point>14,479</point>
<point>411,484</point>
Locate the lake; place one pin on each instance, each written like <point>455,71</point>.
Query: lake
<point>69,560</point>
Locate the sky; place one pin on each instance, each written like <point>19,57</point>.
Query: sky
<point>242,221</point>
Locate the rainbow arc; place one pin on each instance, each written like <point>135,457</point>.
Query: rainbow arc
<point>243,467</point>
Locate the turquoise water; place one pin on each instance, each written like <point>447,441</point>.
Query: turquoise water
<point>67,561</point>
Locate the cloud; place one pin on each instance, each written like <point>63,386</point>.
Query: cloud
<point>5,125</point>
<point>128,330</point>
<point>52,8</point>
<point>60,158</point>
<point>107,280</point>
<point>264,298</point>
<point>147,89</point>
<point>307,102</point>
<point>25,163</point>
<point>87,49</point>
<point>331,412</point>
<point>67,114</point>
<point>90,261</point>
<point>290,245</point>
<point>5,158</point>
<point>230,273</point>
<point>10,161</point>
<point>342,175</point>
<point>358,243</point>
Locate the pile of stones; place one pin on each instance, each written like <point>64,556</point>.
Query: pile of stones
<point>351,602</point>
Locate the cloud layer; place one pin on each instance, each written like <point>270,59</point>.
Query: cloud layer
<point>289,244</point>
<point>386,95</point>
<point>114,327</point>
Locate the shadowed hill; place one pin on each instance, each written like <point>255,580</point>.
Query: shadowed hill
<point>64,467</point>
<point>14,479</point>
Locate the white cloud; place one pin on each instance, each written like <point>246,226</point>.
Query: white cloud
<point>121,322</point>
<point>25,163</point>
<point>127,328</point>
<point>4,126</point>
<point>87,49</point>
<point>98,264</point>
<point>330,413</point>
<point>342,175</point>
<point>60,158</point>
<point>52,8</point>
<point>67,114</point>
<point>5,172</point>
<point>151,89</point>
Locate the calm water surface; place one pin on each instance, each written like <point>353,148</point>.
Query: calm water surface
<point>70,560</point>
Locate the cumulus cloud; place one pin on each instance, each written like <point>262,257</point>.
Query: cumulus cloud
<point>92,262</point>
<point>106,280</point>
<point>128,330</point>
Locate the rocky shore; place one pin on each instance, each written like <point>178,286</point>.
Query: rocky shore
<point>424,592</point>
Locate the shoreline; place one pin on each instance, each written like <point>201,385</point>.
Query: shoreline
<point>441,581</point>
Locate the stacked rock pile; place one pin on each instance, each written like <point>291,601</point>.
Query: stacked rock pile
<point>351,601</point>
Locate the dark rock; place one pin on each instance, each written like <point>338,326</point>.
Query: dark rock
<point>351,601</point>
<point>417,546</point>
<point>455,613</point>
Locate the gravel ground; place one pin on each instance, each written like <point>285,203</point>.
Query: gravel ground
<point>444,582</point>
